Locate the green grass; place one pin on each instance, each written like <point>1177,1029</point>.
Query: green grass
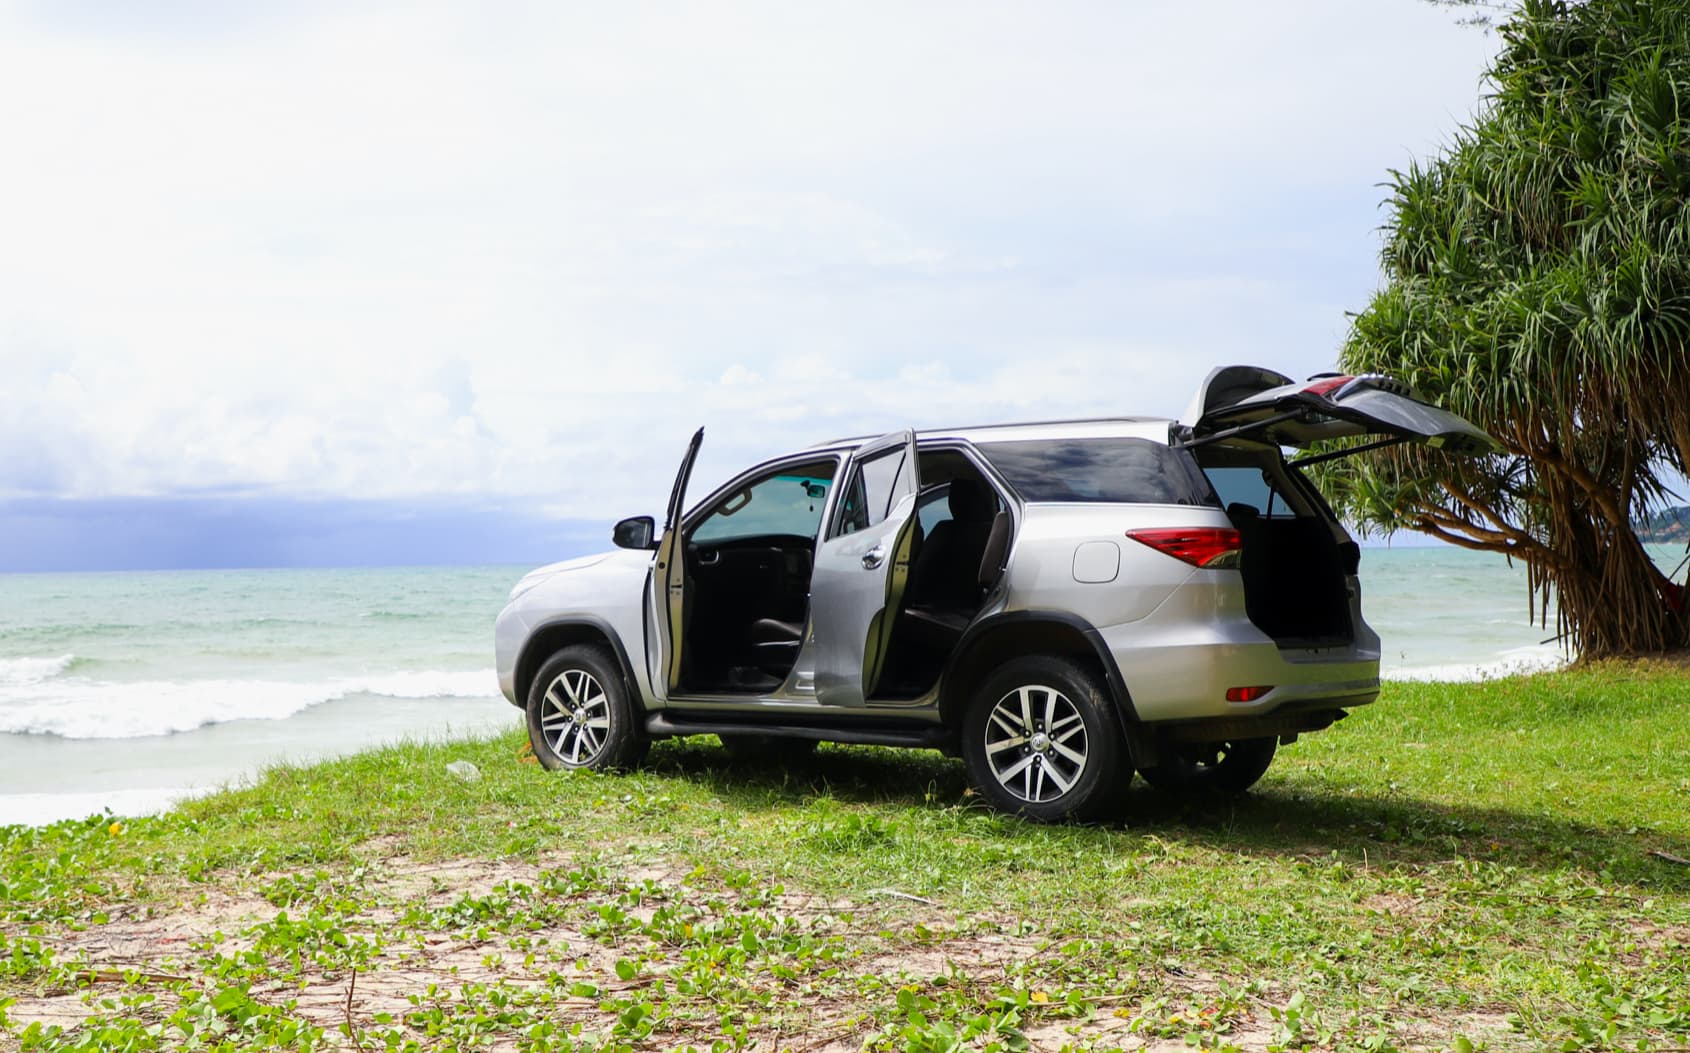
<point>1459,866</point>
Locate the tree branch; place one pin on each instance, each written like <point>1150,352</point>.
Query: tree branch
<point>1425,525</point>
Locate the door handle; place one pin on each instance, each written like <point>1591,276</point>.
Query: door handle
<point>874,557</point>
<point>709,557</point>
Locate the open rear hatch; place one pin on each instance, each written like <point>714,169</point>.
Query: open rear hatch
<point>1297,561</point>
<point>1251,402</point>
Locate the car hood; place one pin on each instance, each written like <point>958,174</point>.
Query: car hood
<point>539,574</point>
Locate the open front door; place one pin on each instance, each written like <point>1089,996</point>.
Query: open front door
<point>667,595</point>
<point>861,567</point>
<point>1249,402</point>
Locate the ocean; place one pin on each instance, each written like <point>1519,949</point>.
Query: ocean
<point>127,691</point>
<point>130,690</point>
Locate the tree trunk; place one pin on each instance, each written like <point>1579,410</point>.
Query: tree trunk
<point>1609,596</point>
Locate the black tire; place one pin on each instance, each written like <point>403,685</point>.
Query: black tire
<point>1019,766</point>
<point>767,749</point>
<point>1212,767</point>
<point>570,725</point>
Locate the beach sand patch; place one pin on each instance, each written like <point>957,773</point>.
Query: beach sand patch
<point>432,944</point>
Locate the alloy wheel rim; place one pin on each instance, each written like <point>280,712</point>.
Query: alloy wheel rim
<point>1036,743</point>
<point>575,720</point>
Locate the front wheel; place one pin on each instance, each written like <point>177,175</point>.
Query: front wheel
<point>1212,767</point>
<point>580,715</point>
<point>1041,741</point>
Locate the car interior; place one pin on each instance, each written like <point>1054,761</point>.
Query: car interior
<point>749,560</point>
<point>962,539</point>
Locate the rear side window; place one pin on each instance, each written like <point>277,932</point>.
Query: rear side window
<point>868,498</point>
<point>1253,487</point>
<point>1131,471</point>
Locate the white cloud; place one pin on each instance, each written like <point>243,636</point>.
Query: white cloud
<point>522,250</point>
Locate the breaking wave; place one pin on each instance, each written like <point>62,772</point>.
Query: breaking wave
<point>76,708</point>
<point>34,670</point>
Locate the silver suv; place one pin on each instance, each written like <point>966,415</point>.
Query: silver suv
<point>1060,604</point>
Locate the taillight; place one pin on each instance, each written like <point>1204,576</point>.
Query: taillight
<point>1214,547</point>
<point>1326,384</point>
<point>1247,694</point>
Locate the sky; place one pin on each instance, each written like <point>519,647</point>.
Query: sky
<point>448,282</point>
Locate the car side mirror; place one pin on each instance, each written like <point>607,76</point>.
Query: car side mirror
<point>635,532</point>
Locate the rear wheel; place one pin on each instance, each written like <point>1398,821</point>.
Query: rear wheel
<point>580,715</point>
<point>1212,767</point>
<point>1040,740</point>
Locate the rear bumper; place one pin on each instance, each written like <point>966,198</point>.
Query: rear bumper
<point>1179,662</point>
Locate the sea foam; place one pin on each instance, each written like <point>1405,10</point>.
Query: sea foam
<point>1515,661</point>
<point>73,708</point>
<point>33,670</point>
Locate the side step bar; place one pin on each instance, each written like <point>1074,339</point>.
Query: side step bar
<point>661,725</point>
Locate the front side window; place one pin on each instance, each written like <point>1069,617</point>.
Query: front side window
<point>787,502</point>
<point>1113,470</point>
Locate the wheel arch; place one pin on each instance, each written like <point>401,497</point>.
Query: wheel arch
<point>553,636</point>
<point>994,640</point>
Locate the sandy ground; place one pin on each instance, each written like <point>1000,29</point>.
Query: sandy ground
<point>156,945</point>
<point>153,946</point>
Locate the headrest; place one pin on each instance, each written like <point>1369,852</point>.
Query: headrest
<point>972,501</point>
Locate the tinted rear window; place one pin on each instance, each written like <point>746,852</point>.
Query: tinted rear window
<point>1252,487</point>
<point>1135,471</point>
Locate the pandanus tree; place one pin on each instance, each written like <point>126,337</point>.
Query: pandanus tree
<point>1537,282</point>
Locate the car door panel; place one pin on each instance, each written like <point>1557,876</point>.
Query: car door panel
<point>858,579</point>
<point>666,588</point>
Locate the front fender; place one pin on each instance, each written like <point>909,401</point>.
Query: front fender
<point>607,593</point>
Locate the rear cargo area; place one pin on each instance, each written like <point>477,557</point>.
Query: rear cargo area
<point>1296,561</point>
<point>1294,579</point>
